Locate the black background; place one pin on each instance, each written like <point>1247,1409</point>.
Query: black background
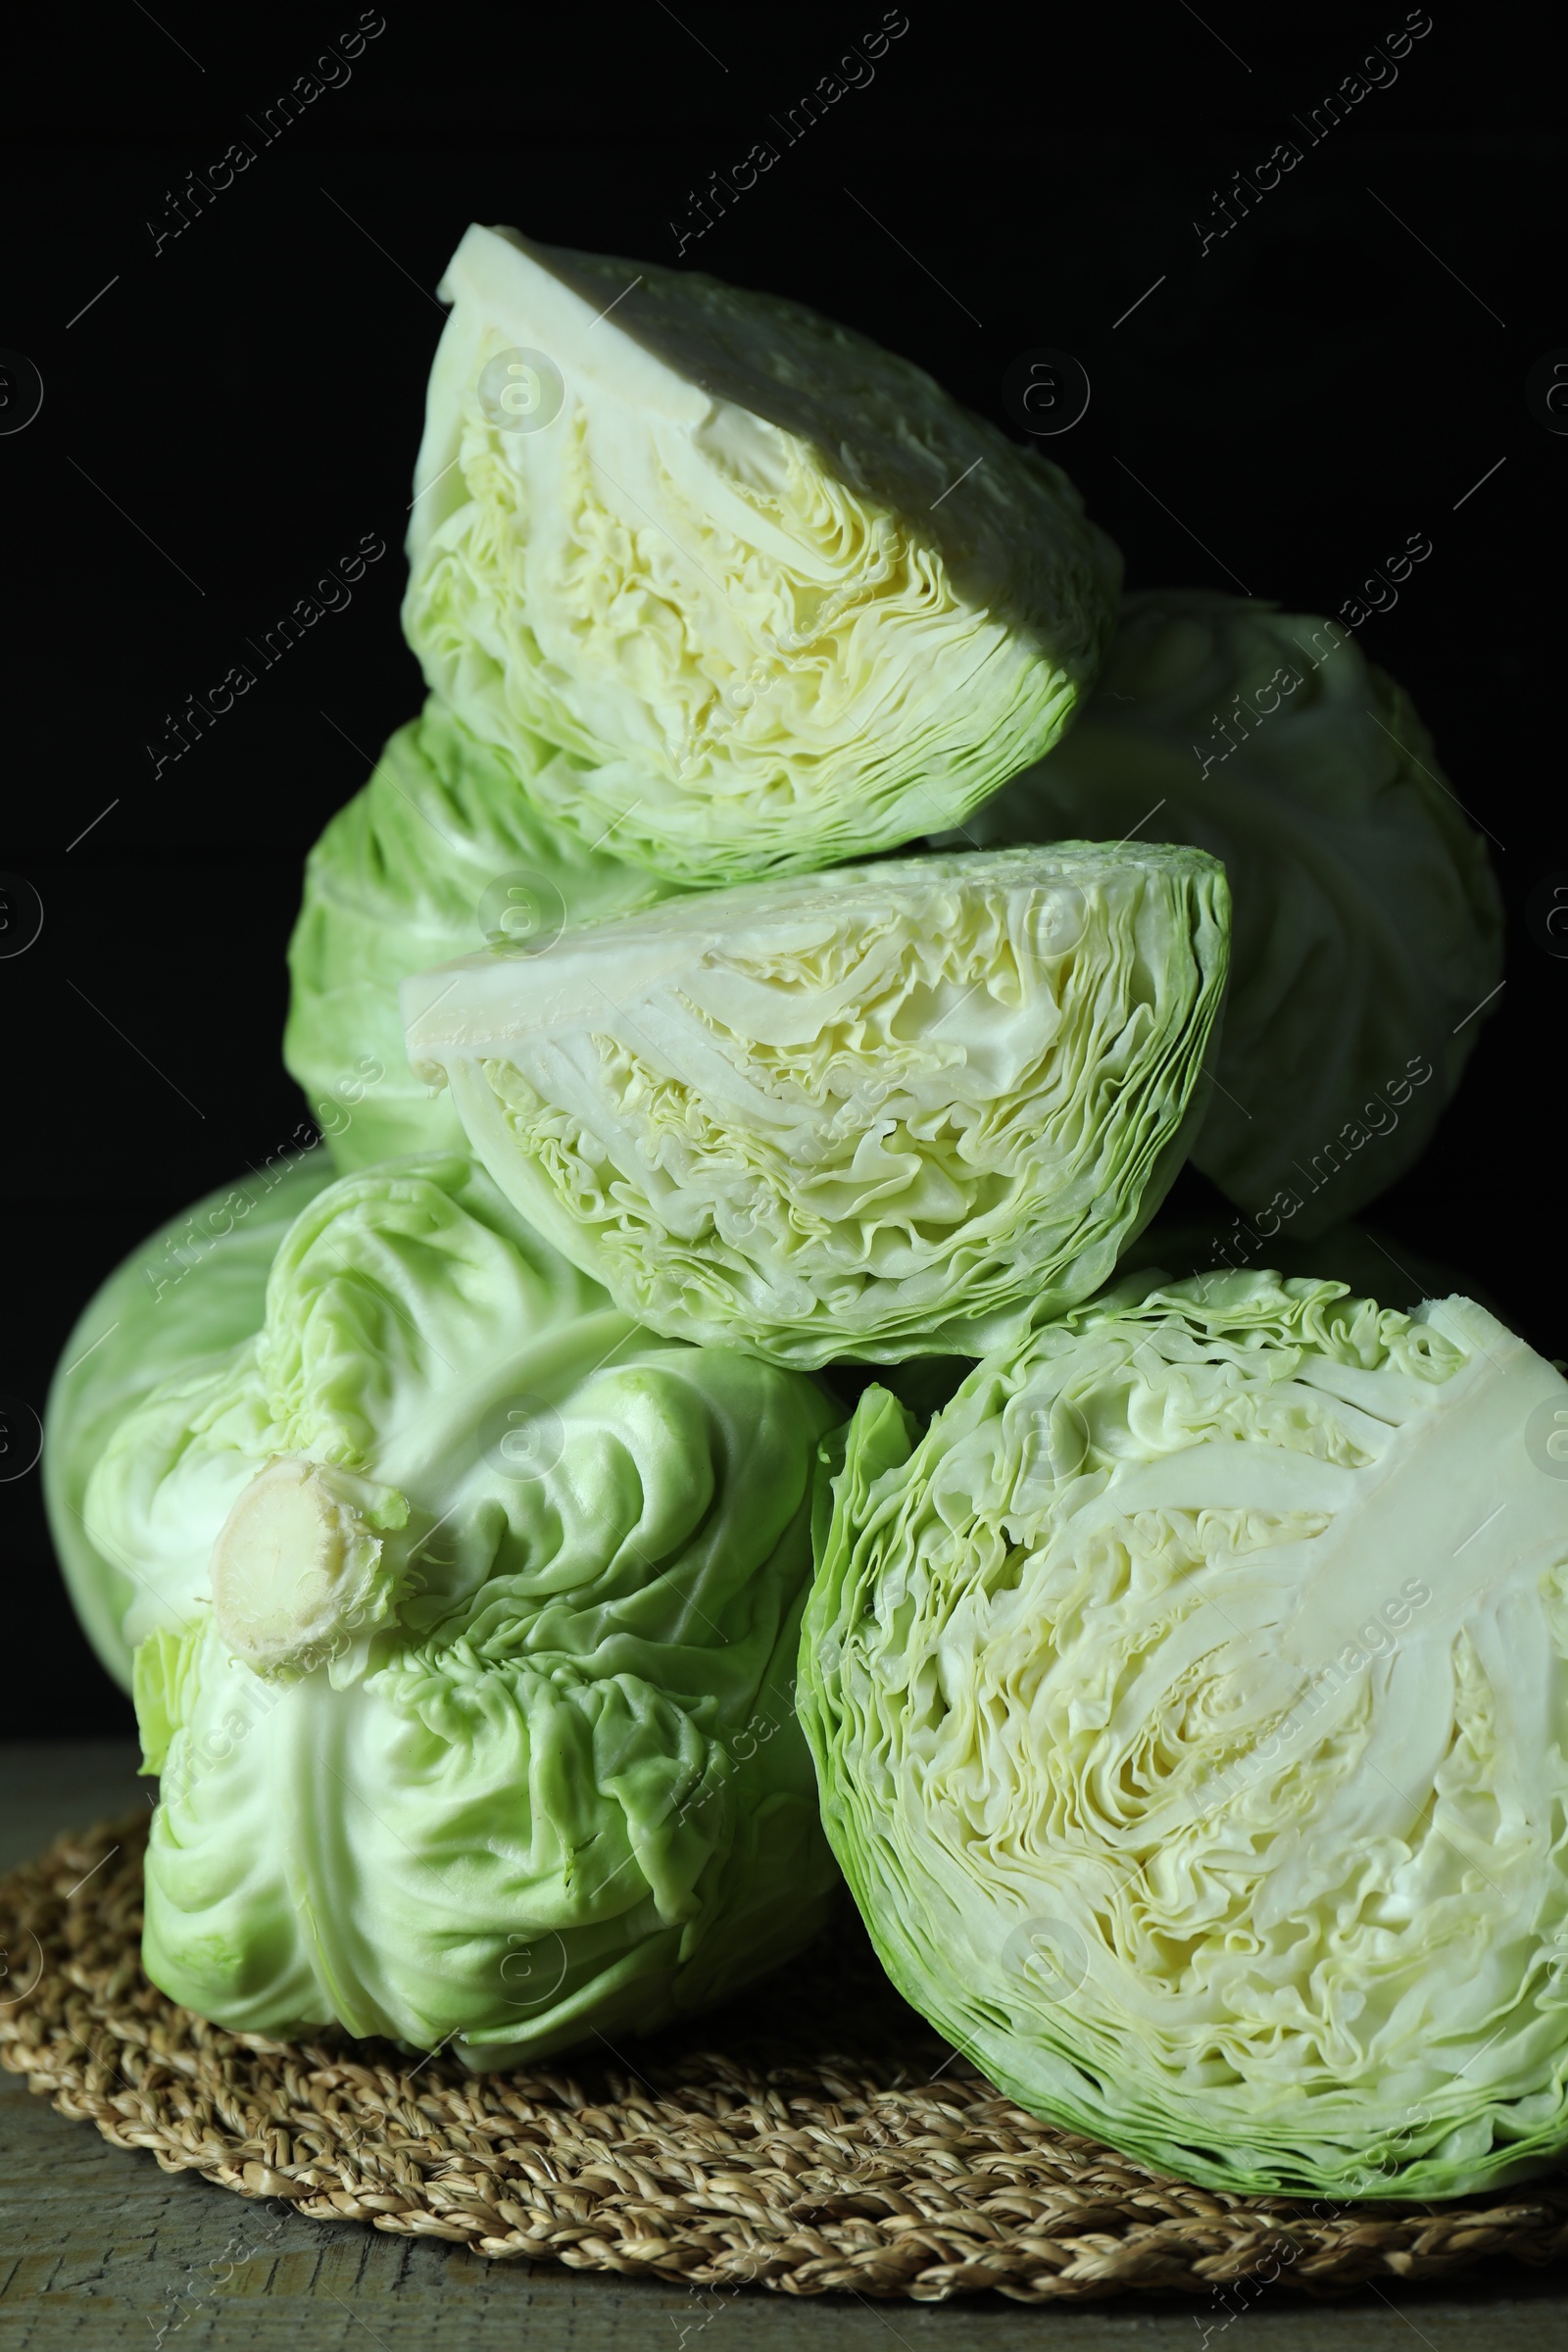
<point>223,423</point>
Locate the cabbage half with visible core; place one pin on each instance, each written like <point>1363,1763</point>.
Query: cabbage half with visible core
<point>887,1110</point>
<point>1368,929</point>
<point>187,1295</point>
<point>466,1617</point>
<point>437,852</point>
<point>1190,1706</point>
<point>776,595</point>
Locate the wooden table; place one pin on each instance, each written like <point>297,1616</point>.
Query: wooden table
<point>101,2251</point>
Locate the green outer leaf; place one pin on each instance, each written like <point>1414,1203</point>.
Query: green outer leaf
<point>395,884</point>
<point>183,1298</point>
<point>1017,1738</point>
<point>1368,926</point>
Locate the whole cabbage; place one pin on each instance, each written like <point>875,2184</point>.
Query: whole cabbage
<point>777,598</point>
<point>465,1622</point>
<point>1368,929</point>
<point>1190,1704</point>
<point>894,1109</point>
<point>437,852</point>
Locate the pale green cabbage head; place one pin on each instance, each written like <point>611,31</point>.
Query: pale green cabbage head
<point>465,1617</point>
<point>183,1299</point>
<point>1368,929</point>
<point>887,1110</point>
<point>777,598</point>
<point>436,853</point>
<point>1189,1705</point>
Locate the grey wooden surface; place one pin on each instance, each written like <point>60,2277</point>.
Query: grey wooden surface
<point>100,2251</point>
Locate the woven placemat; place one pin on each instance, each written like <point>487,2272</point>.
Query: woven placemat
<point>817,2137</point>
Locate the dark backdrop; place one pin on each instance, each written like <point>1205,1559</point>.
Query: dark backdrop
<point>227,409</point>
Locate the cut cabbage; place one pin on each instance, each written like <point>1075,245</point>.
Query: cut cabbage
<point>776,597</point>
<point>887,1110</point>
<point>1189,1705</point>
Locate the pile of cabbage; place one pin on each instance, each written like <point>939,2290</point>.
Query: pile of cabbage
<point>721,1414</point>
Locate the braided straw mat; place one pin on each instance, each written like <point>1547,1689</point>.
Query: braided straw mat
<point>814,2137</point>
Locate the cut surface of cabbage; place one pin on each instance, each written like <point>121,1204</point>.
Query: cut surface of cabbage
<point>776,598</point>
<point>891,1109</point>
<point>1189,1703</point>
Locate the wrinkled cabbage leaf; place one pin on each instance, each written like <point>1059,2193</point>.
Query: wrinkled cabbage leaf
<point>189,1292</point>
<point>438,850</point>
<point>1368,1261</point>
<point>465,1619</point>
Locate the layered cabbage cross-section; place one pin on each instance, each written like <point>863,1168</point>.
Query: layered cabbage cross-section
<point>777,598</point>
<point>889,1110</point>
<point>1189,1703</point>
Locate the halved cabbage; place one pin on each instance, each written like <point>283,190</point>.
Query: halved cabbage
<point>777,598</point>
<point>1368,929</point>
<point>887,1110</point>
<point>1189,1705</point>
<point>185,1296</point>
<point>437,852</point>
<point>466,1617</point>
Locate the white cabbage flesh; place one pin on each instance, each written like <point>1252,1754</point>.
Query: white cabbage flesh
<point>464,1616</point>
<point>777,598</point>
<point>1191,1710</point>
<point>887,1110</point>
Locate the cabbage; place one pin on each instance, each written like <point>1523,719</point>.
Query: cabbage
<point>881,1111</point>
<point>776,598</point>
<point>1190,1706</point>
<point>464,1621</point>
<point>187,1293</point>
<point>1369,927</point>
<point>436,851</point>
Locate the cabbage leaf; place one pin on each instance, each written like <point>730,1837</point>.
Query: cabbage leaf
<point>438,851</point>
<point>464,1618</point>
<point>189,1292</point>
